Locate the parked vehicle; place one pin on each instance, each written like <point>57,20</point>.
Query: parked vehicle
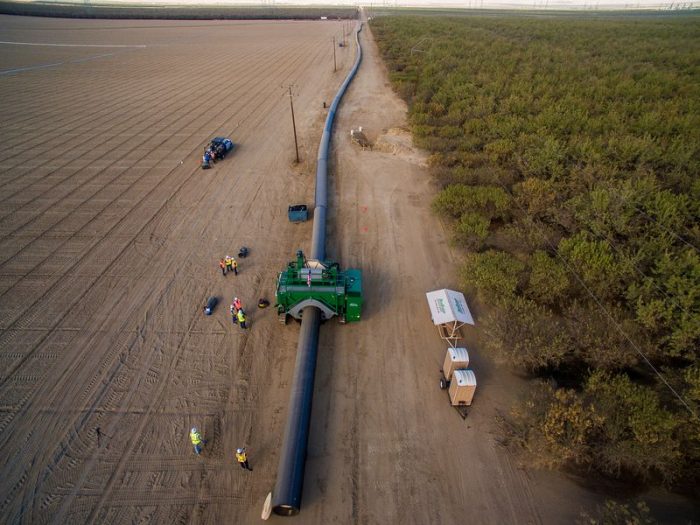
<point>216,150</point>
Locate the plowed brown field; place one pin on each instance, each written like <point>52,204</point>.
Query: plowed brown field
<point>110,236</point>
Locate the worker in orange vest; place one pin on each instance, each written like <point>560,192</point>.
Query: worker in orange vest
<point>222,265</point>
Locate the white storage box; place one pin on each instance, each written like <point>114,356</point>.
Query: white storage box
<point>456,358</point>
<point>462,387</point>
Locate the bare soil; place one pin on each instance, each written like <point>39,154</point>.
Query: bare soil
<point>110,236</point>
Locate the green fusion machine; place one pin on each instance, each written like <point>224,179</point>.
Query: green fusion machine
<point>309,282</point>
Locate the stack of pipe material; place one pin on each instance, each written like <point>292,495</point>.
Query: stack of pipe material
<point>286,498</point>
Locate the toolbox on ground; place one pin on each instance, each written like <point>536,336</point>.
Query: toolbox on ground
<point>298,213</point>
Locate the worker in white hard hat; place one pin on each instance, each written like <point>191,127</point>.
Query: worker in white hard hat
<point>242,459</point>
<point>197,440</point>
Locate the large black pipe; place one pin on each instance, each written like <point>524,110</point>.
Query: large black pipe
<point>318,237</point>
<point>290,472</point>
<point>286,498</point>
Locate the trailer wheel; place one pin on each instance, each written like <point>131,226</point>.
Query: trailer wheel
<point>443,383</point>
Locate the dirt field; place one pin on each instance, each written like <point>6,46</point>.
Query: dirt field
<point>110,236</point>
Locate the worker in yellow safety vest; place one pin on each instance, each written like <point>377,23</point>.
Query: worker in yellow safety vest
<point>242,459</point>
<point>229,263</point>
<point>241,318</point>
<point>197,440</point>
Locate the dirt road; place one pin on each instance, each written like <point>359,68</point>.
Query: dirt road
<point>110,236</point>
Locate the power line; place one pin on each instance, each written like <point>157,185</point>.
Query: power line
<point>624,202</point>
<point>634,345</point>
<point>674,234</point>
<point>652,280</point>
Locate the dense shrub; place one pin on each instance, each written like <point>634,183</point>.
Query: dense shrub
<point>495,274</point>
<point>526,335</point>
<point>614,513</point>
<point>567,150</point>
<point>613,426</point>
<point>549,280</point>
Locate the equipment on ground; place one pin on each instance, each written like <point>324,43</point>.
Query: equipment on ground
<point>206,160</point>
<point>243,252</point>
<point>358,137</point>
<point>309,282</point>
<point>216,150</point>
<point>211,304</point>
<point>298,213</point>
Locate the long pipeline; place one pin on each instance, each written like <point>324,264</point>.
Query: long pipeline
<point>286,498</point>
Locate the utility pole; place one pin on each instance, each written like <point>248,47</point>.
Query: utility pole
<point>294,125</point>
<point>335,66</point>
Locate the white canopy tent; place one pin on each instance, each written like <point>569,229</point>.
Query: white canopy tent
<point>449,312</point>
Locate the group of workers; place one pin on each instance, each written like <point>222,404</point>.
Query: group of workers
<point>238,316</point>
<point>228,264</point>
<point>198,443</point>
<point>237,313</point>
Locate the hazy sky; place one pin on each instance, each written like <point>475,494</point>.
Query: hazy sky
<point>521,4</point>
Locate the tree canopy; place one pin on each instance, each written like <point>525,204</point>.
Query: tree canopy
<point>567,152</point>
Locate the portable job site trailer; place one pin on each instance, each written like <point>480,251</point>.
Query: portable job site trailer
<point>449,312</point>
<point>462,387</point>
<point>455,359</point>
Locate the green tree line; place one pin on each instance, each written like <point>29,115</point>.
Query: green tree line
<point>568,153</point>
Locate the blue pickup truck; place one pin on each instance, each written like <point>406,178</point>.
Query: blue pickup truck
<point>216,150</point>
